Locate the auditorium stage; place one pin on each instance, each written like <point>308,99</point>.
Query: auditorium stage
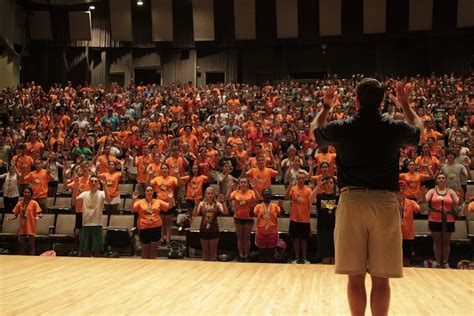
<point>85,286</point>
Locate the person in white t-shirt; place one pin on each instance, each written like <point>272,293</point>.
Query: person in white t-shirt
<point>92,207</point>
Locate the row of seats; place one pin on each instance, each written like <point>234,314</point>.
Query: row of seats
<point>59,228</point>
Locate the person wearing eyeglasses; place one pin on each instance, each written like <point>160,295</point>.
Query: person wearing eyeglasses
<point>90,241</point>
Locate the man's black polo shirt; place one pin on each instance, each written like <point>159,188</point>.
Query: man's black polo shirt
<point>368,148</point>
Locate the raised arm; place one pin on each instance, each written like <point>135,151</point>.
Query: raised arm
<point>401,101</point>
<point>321,118</point>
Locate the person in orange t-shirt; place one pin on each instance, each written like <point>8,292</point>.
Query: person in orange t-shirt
<point>39,183</point>
<point>149,220</point>
<point>233,104</point>
<point>413,180</point>
<point>141,163</point>
<point>34,147</point>
<point>112,180</point>
<point>29,211</point>
<point>301,197</point>
<point>78,185</point>
<point>423,161</point>
<point>102,161</point>
<point>244,199</point>
<point>23,164</point>
<point>190,139</point>
<point>164,187</point>
<point>325,156</point>
<point>262,176</point>
<point>407,209</point>
<point>194,188</point>
<point>266,237</point>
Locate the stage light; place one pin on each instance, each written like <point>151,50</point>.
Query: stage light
<point>139,2</point>
<point>92,7</point>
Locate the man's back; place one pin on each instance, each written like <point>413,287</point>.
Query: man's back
<point>367,147</point>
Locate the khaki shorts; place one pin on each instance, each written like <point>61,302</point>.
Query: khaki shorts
<point>368,236</point>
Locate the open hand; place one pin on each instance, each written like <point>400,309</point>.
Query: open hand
<point>402,96</point>
<point>330,96</point>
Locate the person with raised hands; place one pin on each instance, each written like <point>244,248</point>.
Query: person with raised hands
<point>90,241</point>
<point>209,208</point>
<point>149,222</point>
<point>301,197</point>
<point>164,186</point>
<point>112,180</point>
<point>368,217</point>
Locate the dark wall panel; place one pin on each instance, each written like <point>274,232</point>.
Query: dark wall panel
<point>224,27</point>
<point>183,23</point>
<point>444,15</point>
<point>265,11</point>
<point>141,24</point>
<point>308,19</point>
<point>352,17</point>
<point>397,16</point>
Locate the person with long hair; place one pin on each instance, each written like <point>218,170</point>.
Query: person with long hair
<point>407,208</point>
<point>326,205</point>
<point>53,166</point>
<point>10,188</point>
<point>442,202</point>
<point>301,197</point>
<point>149,221</point>
<point>112,179</point>
<point>194,188</point>
<point>164,186</point>
<point>425,160</point>
<point>244,197</point>
<point>29,211</point>
<point>413,180</point>
<point>209,209</point>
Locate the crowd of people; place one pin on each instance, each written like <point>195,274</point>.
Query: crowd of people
<point>174,142</point>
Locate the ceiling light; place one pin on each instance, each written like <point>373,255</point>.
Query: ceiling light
<point>139,2</point>
<point>92,7</point>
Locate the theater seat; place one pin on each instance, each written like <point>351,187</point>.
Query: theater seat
<point>9,230</point>
<point>120,232</point>
<point>64,229</point>
<point>278,191</point>
<point>62,204</point>
<point>44,227</point>
<point>125,189</point>
<point>460,233</point>
<point>421,228</point>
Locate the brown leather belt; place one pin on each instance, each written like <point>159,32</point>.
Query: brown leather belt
<point>349,188</point>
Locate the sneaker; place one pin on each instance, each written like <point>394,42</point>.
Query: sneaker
<point>239,259</point>
<point>295,261</point>
<point>446,265</point>
<point>306,261</point>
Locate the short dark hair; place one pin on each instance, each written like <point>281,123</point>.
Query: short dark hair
<point>370,93</point>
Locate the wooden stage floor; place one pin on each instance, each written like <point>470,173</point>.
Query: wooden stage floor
<point>86,286</point>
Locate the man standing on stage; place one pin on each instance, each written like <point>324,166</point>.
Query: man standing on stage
<point>367,236</point>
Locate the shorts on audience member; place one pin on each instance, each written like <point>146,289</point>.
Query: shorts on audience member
<point>91,239</point>
<point>438,227</point>
<point>300,230</point>
<point>266,240</point>
<point>149,235</point>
